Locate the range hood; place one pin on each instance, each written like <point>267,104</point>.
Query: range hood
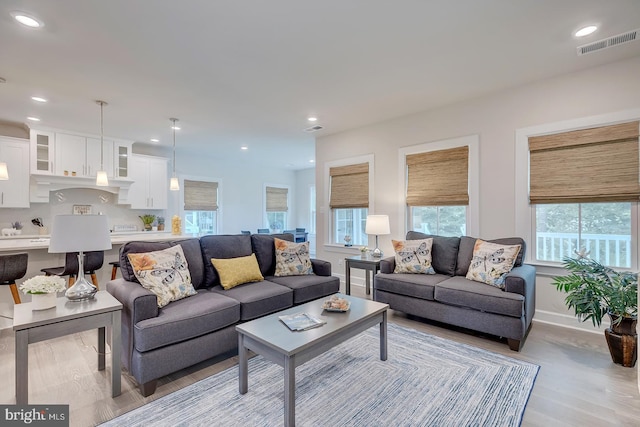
<point>40,185</point>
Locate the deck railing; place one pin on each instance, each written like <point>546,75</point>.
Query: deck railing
<point>610,249</point>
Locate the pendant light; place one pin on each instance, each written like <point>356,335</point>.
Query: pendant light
<point>101,176</point>
<point>174,184</point>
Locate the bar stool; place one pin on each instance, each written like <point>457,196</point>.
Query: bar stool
<point>12,268</point>
<point>92,262</point>
<point>114,269</point>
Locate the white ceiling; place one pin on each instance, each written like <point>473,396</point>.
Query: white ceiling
<point>250,71</point>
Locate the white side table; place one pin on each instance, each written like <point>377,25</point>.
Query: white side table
<point>65,319</point>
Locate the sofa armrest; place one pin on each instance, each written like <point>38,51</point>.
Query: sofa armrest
<point>141,303</point>
<point>321,268</point>
<point>521,280</point>
<point>387,265</point>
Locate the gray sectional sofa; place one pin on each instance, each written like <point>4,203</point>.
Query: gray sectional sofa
<point>449,297</point>
<point>159,341</point>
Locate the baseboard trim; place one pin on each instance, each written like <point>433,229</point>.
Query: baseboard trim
<point>569,322</point>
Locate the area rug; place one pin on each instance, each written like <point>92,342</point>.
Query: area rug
<point>426,381</point>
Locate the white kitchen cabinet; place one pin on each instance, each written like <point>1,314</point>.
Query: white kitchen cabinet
<point>14,193</point>
<point>93,157</point>
<point>150,186</point>
<point>70,155</point>
<point>42,151</point>
<point>121,153</point>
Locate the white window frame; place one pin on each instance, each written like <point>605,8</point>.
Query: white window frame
<point>287,217</point>
<point>181,178</point>
<point>473,208</point>
<point>367,158</point>
<point>312,209</point>
<point>525,212</point>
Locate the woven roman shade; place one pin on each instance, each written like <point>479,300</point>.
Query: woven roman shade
<point>438,178</point>
<point>200,195</point>
<point>349,186</point>
<point>589,165</point>
<point>277,199</point>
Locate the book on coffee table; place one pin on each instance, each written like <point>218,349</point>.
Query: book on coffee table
<point>301,321</point>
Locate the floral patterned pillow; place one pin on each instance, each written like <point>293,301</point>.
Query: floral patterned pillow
<point>491,262</point>
<point>165,273</point>
<point>413,256</point>
<point>292,259</point>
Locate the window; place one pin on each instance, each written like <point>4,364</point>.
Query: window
<point>440,220</point>
<point>602,229</point>
<point>276,208</point>
<point>349,202</point>
<point>200,207</point>
<point>437,191</point>
<point>583,186</point>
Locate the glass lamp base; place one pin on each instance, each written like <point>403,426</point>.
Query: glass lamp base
<point>376,253</point>
<point>81,291</point>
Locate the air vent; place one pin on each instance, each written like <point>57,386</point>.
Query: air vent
<point>314,128</point>
<point>627,37</point>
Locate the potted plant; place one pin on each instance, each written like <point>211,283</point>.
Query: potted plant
<point>43,290</point>
<point>17,226</point>
<point>147,220</point>
<point>593,291</point>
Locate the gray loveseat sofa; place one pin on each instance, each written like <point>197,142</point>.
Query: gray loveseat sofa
<point>159,341</point>
<point>449,297</point>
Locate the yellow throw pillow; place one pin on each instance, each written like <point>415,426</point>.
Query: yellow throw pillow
<point>236,271</point>
<point>491,262</point>
<point>165,273</point>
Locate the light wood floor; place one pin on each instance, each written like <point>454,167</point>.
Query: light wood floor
<point>577,385</point>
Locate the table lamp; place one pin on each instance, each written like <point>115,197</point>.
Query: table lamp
<point>377,224</point>
<point>80,233</point>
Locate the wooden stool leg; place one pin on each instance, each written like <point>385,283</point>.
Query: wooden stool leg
<point>114,271</point>
<point>14,292</point>
<point>94,280</point>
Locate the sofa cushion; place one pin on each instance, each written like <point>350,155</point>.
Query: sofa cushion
<point>193,255</point>
<point>292,259</point>
<point>258,298</point>
<point>491,262</point>
<point>413,256</point>
<point>465,253</point>
<point>265,250</point>
<point>219,247</point>
<point>444,252</point>
<point>307,288</point>
<point>185,319</point>
<point>134,248</point>
<point>466,293</point>
<point>165,273</point>
<point>236,271</point>
<point>412,285</point>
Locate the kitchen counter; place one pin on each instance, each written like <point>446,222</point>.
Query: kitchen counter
<point>29,242</point>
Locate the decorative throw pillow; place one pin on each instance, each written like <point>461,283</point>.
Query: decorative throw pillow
<point>236,271</point>
<point>165,273</point>
<point>292,259</point>
<point>491,262</point>
<point>413,256</point>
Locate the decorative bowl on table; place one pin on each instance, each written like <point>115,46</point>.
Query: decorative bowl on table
<point>335,303</point>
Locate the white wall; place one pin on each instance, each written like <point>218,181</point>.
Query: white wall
<point>495,118</point>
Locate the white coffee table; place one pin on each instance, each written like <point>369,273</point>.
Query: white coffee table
<point>272,339</point>
<point>65,319</point>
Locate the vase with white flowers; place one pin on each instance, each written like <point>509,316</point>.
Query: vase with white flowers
<point>43,290</point>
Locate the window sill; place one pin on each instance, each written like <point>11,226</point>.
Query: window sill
<point>342,248</point>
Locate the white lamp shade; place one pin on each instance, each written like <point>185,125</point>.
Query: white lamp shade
<point>4,173</point>
<point>75,233</point>
<point>174,184</point>
<point>377,224</point>
<point>101,179</point>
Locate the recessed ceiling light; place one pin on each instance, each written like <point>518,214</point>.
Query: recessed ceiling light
<point>27,20</point>
<point>312,119</point>
<point>33,119</point>
<point>155,140</point>
<point>38,99</point>
<point>175,127</point>
<point>244,147</point>
<point>585,31</point>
